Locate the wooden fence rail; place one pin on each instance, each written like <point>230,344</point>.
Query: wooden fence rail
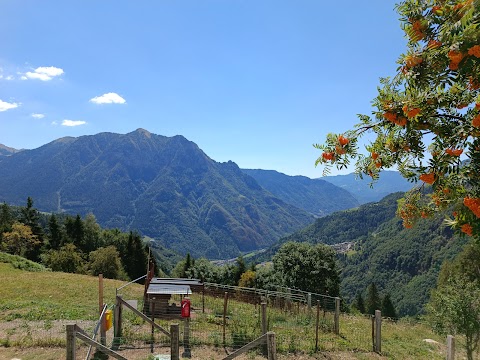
<point>268,338</point>
<point>74,332</point>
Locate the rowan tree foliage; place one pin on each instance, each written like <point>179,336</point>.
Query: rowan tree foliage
<point>426,118</point>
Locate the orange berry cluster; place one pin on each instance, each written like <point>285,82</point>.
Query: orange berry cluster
<point>455,58</point>
<point>328,156</point>
<point>473,204</point>
<point>394,118</point>
<point>418,28</point>
<point>454,152</point>
<point>428,178</point>
<point>467,229</point>
<point>476,121</point>
<point>434,44</point>
<point>474,51</point>
<point>339,149</point>
<point>473,84</point>
<point>411,113</point>
<point>412,61</point>
<point>408,215</point>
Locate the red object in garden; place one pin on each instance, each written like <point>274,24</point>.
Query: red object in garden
<point>186,308</point>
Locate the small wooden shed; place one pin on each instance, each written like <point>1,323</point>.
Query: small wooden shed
<point>159,292</point>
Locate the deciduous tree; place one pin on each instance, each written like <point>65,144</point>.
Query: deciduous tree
<point>106,261</point>
<point>20,240</point>
<point>308,267</point>
<point>426,118</point>
<point>454,307</point>
<point>66,259</point>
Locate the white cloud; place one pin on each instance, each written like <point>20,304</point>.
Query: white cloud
<point>44,73</point>
<point>109,98</point>
<point>54,123</point>
<point>5,77</point>
<point>4,106</point>
<point>73,122</point>
<point>38,116</point>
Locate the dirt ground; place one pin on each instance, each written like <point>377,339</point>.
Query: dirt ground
<point>198,353</point>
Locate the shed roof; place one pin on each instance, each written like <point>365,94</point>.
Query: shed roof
<point>171,289</point>
<point>176,281</point>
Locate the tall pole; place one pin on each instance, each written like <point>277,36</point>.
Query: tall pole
<point>103,332</point>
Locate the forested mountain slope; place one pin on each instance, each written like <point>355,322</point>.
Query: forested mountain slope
<point>402,262</point>
<point>165,187</point>
<point>318,197</point>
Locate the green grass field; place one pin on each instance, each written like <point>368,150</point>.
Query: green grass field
<point>34,306</point>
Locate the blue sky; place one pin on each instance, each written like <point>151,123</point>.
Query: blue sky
<point>255,82</point>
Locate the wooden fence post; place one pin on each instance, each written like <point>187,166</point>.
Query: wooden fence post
<point>103,332</point>
<point>450,347</point>
<point>378,331</point>
<point>153,326</point>
<point>264,317</point>
<point>187,353</point>
<point>271,346</point>
<point>337,315</point>
<point>373,332</point>
<point>317,323</point>
<point>118,320</point>
<point>225,304</point>
<point>263,307</point>
<point>309,301</point>
<point>71,345</point>
<point>174,342</point>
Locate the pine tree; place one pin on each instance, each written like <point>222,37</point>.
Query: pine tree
<point>373,299</point>
<point>75,231</point>
<point>55,236</point>
<point>135,260</point>
<point>187,266</point>
<point>359,303</point>
<point>6,219</point>
<point>30,217</point>
<point>388,310</point>
<point>241,268</point>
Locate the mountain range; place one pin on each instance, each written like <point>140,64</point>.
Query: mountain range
<point>168,189</point>
<point>165,187</point>
<point>318,197</point>
<point>5,150</point>
<point>365,191</point>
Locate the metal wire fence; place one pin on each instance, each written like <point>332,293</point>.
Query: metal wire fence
<point>230,317</point>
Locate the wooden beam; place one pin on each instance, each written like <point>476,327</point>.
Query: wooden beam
<point>378,331</point>
<point>262,339</point>
<point>271,345</point>
<point>143,316</point>
<point>225,305</point>
<point>100,347</point>
<point>71,346</point>
<point>174,342</point>
<point>450,347</point>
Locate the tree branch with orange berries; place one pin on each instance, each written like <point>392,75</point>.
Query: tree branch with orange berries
<point>435,91</point>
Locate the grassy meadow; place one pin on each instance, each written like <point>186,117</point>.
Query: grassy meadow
<point>35,306</point>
